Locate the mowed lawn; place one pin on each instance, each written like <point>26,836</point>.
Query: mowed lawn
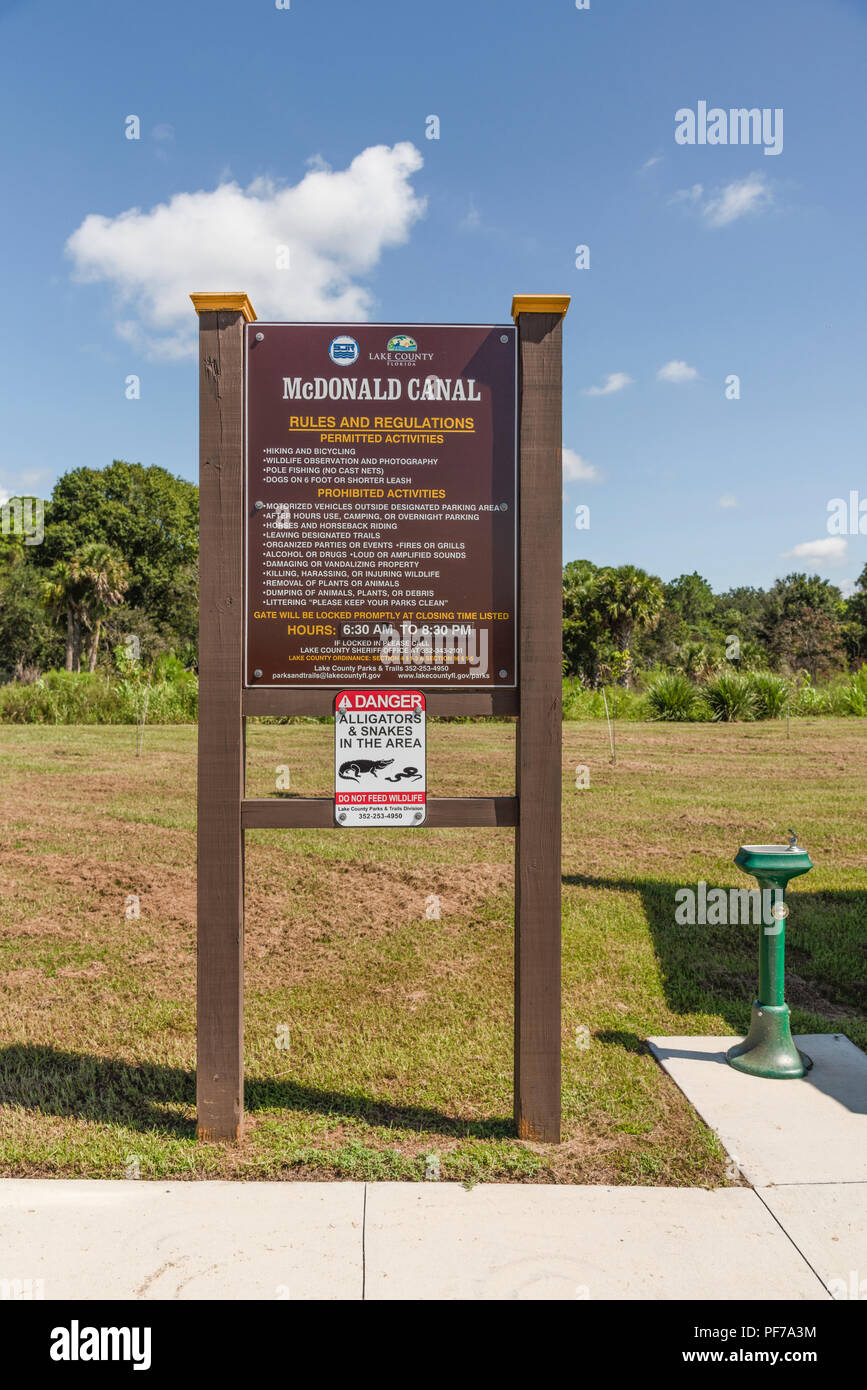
<point>378,1033</point>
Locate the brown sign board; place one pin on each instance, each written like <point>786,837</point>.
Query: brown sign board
<point>381,505</point>
<point>252,430</point>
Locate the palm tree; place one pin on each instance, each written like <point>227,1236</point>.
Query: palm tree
<point>61,595</point>
<point>83,590</point>
<point>628,598</point>
<point>104,577</point>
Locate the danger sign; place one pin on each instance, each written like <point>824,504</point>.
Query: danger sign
<point>379,757</point>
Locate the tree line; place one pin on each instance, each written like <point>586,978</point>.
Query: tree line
<point>620,622</point>
<point>119,556</point>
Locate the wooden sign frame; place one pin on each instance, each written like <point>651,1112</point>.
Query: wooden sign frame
<point>225,813</point>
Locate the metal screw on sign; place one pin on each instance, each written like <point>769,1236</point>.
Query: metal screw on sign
<point>504,506</point>
<point>341,815</point>
<point>258,506</point>
<point>503,675</point>
<point>504,337</point>
<point>260,337</point>
<point>257,673</point>
<point>418,815</point>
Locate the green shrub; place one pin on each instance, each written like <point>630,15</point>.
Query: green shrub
<point>580,702</point>
<point>850,697</point>
<point>807,700</point>
<point>68,697</point>
<point>61,697</point>
<point>169,667</point>
<point>771,694</point>
<point>729,697</point>
<point>672,697</point>
<point>699,660</point>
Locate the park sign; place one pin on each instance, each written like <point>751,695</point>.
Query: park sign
<point>379,757</point>
<point>380,501</point>
<point>364,539</point>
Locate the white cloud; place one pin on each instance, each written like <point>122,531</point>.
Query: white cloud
<point>615,381</point>
<point>725,205</point>
<point>728,500</point>
<point>649,163</point>
<point>737,199</point>
<point>828,550</point>
<point>335,223</point>
<point>677,373</point>
<point>577,469</point>
<point>687,195</point>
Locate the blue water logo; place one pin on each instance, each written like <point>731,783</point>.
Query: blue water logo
<point>343,350</point>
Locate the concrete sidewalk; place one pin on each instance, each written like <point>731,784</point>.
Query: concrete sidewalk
<point>799,1231</point>
<point>812,1130</point>
<point>63,1239</point>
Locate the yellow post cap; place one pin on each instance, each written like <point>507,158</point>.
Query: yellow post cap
<point>209,303</point>
<point>540,304</point>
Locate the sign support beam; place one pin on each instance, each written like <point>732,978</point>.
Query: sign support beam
<point>220,840</point>
<point>539,740</point>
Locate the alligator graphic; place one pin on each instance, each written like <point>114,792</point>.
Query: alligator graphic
<point>353,769</point>
<point>411,772</point>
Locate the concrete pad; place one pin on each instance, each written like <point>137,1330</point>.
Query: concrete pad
<point>812,1130</point>
<point>828,1223</point>
<point>529,1242</point>
<point>183,1240</point>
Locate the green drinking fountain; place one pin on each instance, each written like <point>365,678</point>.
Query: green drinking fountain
<point>768,1049</point>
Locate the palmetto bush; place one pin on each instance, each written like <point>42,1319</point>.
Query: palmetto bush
<point>699,660</point>
<point>672,697</point>
<point>61,697</point>
<point>851,696</point>
<point>71,697</point>
<point>580,702</point>
<point>807,699</point>
<point>771,694</point>
<point>729,696</point>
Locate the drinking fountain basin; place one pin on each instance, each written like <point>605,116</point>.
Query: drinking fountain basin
<point>776,863</point>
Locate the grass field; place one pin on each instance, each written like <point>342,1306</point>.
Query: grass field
<point>376,1033</point>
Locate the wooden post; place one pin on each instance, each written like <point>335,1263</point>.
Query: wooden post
<point>537,838</point>
<point>220,930</point>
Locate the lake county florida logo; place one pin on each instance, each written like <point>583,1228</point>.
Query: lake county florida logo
<point>401,349</point>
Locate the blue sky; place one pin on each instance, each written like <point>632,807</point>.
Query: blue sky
<point>556,129</point>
